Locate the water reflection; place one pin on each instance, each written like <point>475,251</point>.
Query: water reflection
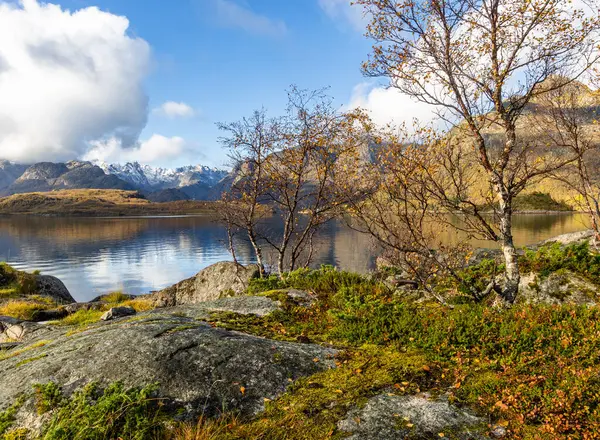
<point>137,255</point>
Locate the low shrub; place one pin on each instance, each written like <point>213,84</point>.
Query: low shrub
<point>93,413</point>
<point>553,257</point>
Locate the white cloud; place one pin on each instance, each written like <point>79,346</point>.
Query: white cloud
<point>67,78</point>
<point>389,105</point>
<point>241,16</point>
<point>344,10</point>
<point>154,151</point>
<point>173,109</point>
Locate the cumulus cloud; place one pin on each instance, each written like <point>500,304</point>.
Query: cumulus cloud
<point>389,105</point>
<point>344,10</point>
<point>233,14</point>
<point>153,151</point>
<point>172,109</point>
<point>66,79</point>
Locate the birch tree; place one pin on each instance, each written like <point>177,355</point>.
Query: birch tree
<point>479,64</point>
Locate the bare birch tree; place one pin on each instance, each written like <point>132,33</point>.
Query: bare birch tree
<point>290,167</point>
<point>250,143</point>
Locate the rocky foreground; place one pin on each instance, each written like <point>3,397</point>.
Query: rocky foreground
<point>324,355</point>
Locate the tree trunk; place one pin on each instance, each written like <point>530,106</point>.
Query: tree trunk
<point>511,272</point>
<point>258,253</point>
<point>280,263</point>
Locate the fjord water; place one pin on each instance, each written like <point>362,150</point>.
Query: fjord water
<point>93,256</point>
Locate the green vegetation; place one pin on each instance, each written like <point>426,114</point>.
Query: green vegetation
<point>18,299</point>
<point>539,201</point>
<point>533,369</point>
<point>553,257</point>
<point>83,317</point>
<point>18,294</point>
<point>536,201</point>
<point>97,414</point>
<point>313,406</point>
<point>7,418</point>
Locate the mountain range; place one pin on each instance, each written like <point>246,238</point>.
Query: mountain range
<point>195,182</point>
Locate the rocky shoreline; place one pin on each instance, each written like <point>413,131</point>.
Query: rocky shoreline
<point>202,342</point>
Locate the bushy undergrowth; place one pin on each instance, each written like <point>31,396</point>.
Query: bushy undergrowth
<point>547,259</point>
<point>553,257</point>
<point>97,414</point>
<point>20,283</point>
<point>533,369</point>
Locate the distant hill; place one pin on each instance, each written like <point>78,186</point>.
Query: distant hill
<point>47,176</point>
<point>96,202</point>
<point>9,172</point>
<point>160,184</point>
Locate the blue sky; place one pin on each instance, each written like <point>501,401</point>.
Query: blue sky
<point>218,59</point>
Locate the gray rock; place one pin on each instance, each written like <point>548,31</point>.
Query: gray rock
<point>102,298</point>
<point>498,432</point>
<point>243,305</point>
<point>574,237</point>
<point>20,332</point>
<point>216,281</point>
<point>561,287</point>
<point>8,345</point>
<point>75,307</point>
<point>50,315</point>
<point>117,312</point>
<point>199,369</point>
<point>301,297</point>
<point>7,321</point>
<point>15,332</point>
<point>401,417</point>
<point>53,288</point>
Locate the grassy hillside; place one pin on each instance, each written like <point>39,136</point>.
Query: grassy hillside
<point>96,202</point>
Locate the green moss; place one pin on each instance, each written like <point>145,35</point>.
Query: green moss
<point>554,257</point>
<point>312,406</point>
<point>27,361</point>
<point>7,417</point>
<point>47,397</point>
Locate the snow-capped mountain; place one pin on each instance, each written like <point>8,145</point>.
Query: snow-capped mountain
<point>153,178</point>
<point>195,182</point>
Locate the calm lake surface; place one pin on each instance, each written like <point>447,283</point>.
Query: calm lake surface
<point>93,256</point>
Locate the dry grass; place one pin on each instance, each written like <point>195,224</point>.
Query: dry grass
<point>97,202</point>
<point>139,305</point>
<point>24,310</point>
<point>13,353</point>
<point>204,429</point>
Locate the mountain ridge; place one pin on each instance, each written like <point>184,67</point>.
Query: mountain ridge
<point>192,182</point>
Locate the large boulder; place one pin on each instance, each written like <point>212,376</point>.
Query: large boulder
<point>387,417</point>
<point>53,288</point>
<point>560,287</point>
<point>573,237</point>
<point>219,280</point>
<point>199,369</point>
